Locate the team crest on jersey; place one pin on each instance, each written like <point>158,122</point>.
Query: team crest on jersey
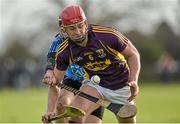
<point>101,53</point>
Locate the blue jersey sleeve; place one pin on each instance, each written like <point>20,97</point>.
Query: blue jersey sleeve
<point>55,44</point>
<point>52,51</point>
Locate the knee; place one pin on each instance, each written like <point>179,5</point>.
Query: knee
<point>62,101</point>
<point>59,106</point>
<point>65,98</point>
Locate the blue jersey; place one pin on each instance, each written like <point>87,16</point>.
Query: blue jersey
<point>55,44</point>
<point>52,51</point>
<point>74,72</point>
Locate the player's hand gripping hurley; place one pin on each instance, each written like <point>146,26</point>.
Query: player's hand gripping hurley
<point>69,112</point>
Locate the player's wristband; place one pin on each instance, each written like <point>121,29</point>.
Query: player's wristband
<point>50,64</point>
<point>49,68</point>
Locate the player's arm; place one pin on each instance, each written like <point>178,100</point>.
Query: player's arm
<point>49,78</point>
<point>127,49</point>
<point>49,74</point>
<point>52,52</point>
<point>54,90</point>
<point>53,94</point>
<point>133,59</point>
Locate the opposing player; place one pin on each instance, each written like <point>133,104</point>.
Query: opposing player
<point>100,51</point>
<point>58,98</point>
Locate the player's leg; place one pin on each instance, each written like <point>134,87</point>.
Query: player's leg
<point>65,98</point>
<point>119,96</point>
<point>127,120</point>
<point>96,116</point>
<point>85,104</point>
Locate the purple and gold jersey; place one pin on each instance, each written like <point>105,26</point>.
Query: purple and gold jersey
<point>101,56</point>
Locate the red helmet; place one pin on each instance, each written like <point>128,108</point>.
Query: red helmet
<point>72,14</point>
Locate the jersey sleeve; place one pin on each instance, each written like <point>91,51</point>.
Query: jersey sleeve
<point>120,41</point>
<point>62,57</point>
<point>112,38</point>
<point>50,64</point>
<point>61,62</point>
<point>55,44</point>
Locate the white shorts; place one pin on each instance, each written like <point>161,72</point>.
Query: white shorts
<point>119,96</point>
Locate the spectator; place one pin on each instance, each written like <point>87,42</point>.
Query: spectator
<point>167,67</point>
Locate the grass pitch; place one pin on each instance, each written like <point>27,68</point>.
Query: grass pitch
<point>157,103</point>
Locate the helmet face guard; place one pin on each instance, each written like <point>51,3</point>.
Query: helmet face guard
<point>80,37</point>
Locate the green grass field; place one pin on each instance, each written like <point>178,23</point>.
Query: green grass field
<point>156,103</point>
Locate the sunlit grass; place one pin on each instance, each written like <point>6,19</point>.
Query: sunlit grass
<point>156,103</point>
